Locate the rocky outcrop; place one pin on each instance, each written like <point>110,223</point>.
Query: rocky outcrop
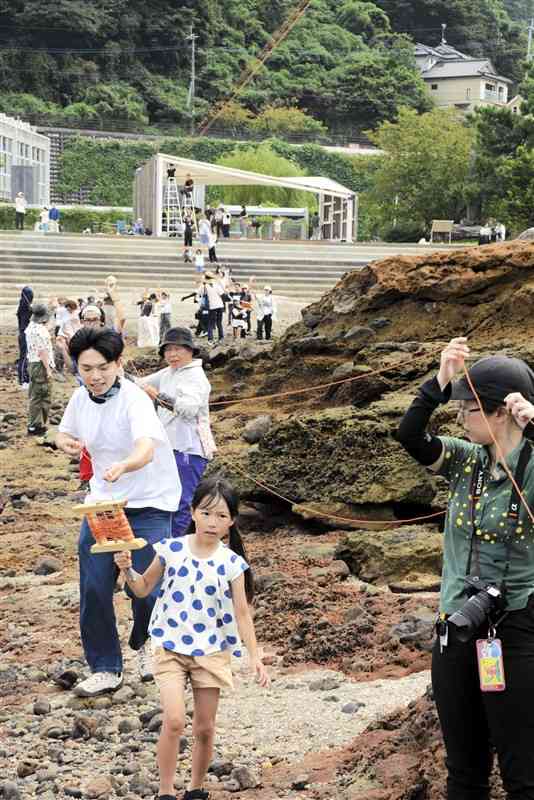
<point>411,556</point>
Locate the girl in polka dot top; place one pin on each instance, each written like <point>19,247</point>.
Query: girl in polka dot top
<point>201,614</point>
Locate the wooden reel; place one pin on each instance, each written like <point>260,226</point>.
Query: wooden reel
<point>110,527</point>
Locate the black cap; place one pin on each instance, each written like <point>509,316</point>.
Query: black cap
<point>494,378</point>
<point>179,336</point>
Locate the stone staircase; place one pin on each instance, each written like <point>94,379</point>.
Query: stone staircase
<point>77,265</point>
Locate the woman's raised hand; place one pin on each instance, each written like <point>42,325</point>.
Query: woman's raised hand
<point>521,410</point>
<point>123,559</point>
<point>452,360</point>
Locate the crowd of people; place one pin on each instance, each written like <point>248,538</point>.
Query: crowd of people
<point>149,441</point>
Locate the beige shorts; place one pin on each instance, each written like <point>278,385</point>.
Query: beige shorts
<point>204,672</point>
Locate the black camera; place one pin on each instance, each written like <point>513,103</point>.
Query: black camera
<point>484,599</point>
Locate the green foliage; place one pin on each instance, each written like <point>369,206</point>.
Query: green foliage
<point>372,85</point>
<point>73,220</point>
<point>425,172</point>
<point>274,121</point>
<point>502,158</point>
<point>263,159</point>
<point>21,104</point>
<point>128,60</point>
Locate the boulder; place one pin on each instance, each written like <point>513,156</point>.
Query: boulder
<point>389,556</point>
<point>340,458</point>
<point>256,429</point>
<point>48,565</point>
<point>313,345</point>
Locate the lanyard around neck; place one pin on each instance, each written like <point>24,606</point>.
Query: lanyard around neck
<point>477,489</point>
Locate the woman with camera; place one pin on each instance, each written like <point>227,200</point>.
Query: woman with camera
<point>483,657</point>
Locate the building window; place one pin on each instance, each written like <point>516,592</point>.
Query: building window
<point>434,87</point>
<point>468,93</point>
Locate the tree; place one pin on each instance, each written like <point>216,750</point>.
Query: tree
<point>424,172</point>
<point>374,84</point>
<point>276,121</point>
<point>516,204</point>
<point>264,160</point>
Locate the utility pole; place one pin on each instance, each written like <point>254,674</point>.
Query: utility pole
<point>530,39</point>
<point>191,96</point>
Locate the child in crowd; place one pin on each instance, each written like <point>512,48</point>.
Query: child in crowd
<point>188,255</point>
<point>199,261</point>
<point>202,610</point>
<point>239,319</point>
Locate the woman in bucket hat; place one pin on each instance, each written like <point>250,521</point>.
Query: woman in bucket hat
<point>181,392</point>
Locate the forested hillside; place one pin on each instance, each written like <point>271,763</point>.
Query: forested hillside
<point>348,64</point>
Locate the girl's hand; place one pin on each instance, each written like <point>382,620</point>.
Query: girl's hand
<point>123,559</point>
<point>72,446</point>
<point>521,410</point>
<point>260,673</point>
<point>114,472</point>
<point>452,360</point>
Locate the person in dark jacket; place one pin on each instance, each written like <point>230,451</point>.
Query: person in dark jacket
<point>24,315</point>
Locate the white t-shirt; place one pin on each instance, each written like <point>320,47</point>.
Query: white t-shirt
<point>109,431</point>
<point>214,297</point>
<point>194,613</point>
<point>227,218</point>
<point>20,205</point>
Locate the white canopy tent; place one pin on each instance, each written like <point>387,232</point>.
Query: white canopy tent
<point>338,206</point>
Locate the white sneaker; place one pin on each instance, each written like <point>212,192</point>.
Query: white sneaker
<point>25,387</point>
<point>144,662</point>
<point>99,683</point>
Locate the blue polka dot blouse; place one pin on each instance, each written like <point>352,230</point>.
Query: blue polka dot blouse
<point>194,613</point>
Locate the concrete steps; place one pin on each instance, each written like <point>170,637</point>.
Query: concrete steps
<point>75,266</point>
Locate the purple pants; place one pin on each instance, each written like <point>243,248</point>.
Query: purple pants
<point>190,469</point>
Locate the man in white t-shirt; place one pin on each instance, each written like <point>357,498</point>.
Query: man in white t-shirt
<point>132,460</point>
<point>20,210</point>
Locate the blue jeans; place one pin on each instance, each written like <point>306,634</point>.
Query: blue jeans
<point>190,468</point>
<point>98,575</point>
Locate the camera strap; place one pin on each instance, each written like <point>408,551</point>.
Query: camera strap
<point>477,489</point>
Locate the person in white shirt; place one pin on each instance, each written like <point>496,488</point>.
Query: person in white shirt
<point>132,460</point>
<point>165,311</point>
<point>226,222</point>
<point>204,231</point>
<point>213,290</point>
<point>44,219</point>
<point>40,365</point>
<point>20,210</point>
<point>181,392</point>
<point>265,312</point>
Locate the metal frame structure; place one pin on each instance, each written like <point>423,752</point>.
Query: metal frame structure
<point>338,206</point>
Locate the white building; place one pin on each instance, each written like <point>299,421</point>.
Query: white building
<point>24,162</point>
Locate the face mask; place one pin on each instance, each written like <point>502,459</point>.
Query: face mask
<point>107,395</point>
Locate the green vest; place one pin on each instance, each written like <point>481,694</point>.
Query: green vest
<point>491,527</point>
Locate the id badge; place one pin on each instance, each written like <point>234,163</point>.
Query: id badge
<point>490,665</point>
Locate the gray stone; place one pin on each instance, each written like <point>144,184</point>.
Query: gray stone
<point>256,429</point>
<point>231,785</point>
<point>48,565</point>
<point>72,791</point>
<point>342,371</point>
<point>359,334</point>
<point>312,345</point>
<point>352,708</point>
<point>221,767</point>
<point>326,684</point>
<point>155,723</point>
<point>129,724</point>
<point>97,788</point>
<point>41,707</point>
<point>414,631</point>
<point>10,791</point>
<point>244,777</point>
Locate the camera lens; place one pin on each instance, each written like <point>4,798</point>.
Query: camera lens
<point>471,615</point>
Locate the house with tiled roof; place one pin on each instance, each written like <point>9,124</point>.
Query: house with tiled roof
<point>455,80</point>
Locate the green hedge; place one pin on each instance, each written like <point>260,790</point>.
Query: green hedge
<point>73,220</point>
